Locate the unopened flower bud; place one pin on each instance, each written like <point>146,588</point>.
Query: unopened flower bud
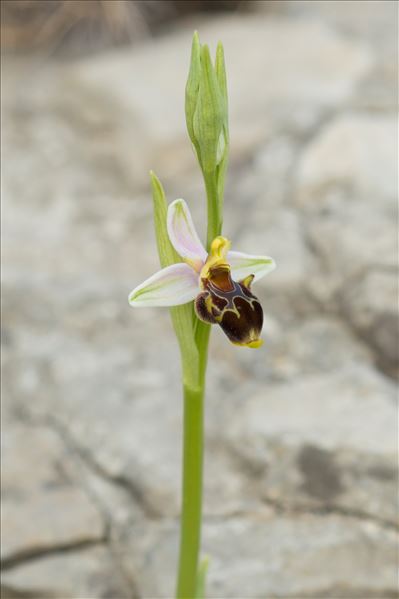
<point>206,106</point>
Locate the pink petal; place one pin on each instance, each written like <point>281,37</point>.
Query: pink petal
<point>182,233</point>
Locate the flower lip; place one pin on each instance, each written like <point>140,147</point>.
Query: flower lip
<point>233,306</point>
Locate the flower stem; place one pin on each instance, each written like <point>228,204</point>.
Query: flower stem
<point>190,581</point>
<point>214,211</point>
<point>190,534</point>
<point>193,444</point>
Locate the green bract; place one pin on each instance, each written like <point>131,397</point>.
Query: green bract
<point>182,316</point>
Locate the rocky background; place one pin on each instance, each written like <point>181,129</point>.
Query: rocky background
<point>301,470</point>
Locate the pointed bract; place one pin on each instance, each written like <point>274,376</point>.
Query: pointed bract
<point>167,253</point>
<point>192,86</point>
<point>220,71</point>
<point>209,113</point>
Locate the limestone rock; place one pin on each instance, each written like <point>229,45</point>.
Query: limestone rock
<point>346,185</point>
<point>117,94</point>
<point>371,306</point>
<point>325,441</point>
<point>300,436</point>
<point>316,556</point>
<point>354,152</point>
<point>43,506</point>
<point>91,573</point>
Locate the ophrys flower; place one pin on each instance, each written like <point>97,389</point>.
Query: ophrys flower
<point>218,282</point>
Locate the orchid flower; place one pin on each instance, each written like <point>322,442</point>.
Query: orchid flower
<point>219,282</point>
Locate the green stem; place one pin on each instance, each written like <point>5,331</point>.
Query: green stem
<point>190,531</point>
<point>193,443</point>
<point>214,213</point>
<point>193,434</point>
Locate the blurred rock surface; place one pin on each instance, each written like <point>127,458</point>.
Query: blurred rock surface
<point>300,478</point>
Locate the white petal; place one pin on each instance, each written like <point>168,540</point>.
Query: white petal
<point>174,285</point>
<point>243,265</point>
<point>182,233</point>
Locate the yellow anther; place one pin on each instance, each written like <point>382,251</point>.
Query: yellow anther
<point>217,256</point>
<point>219,248</point>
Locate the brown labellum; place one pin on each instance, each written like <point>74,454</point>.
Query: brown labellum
<point>231,305</point>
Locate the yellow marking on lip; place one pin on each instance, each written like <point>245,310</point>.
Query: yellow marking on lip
<point>209,304</point>
<point>254,344</point>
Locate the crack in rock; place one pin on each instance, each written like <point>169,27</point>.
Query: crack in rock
<point>127,485</point>
<point>27,555</point>
<point>328,509</point>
